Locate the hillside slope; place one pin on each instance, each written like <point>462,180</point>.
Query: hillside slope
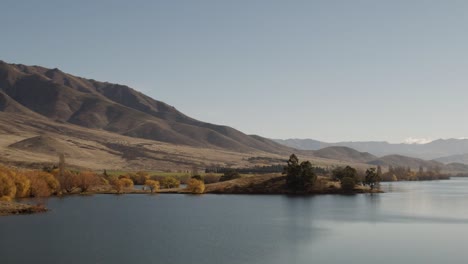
<point>61,97</point>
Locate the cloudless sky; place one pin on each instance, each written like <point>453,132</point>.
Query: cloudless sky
<point>329,70</point>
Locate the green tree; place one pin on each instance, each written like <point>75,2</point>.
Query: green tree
<point>372,178</point>
<point>340,173</point>
<point>347,184</point>
<point>299,176</point>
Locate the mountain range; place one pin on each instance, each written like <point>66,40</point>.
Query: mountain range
<point>442,150</point>
<point>100,125</point>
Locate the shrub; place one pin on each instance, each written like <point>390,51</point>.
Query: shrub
<point>86,179</point>
<point>127,183</point>
<point>43,184</point>
<point>152,185</point>
<point>68,181</point>
<point>23,185</point>
<point>347,184</point>
<point>117,184</point>
<point>195,186</point>
<point>7,187</point>
<point>170,182</point>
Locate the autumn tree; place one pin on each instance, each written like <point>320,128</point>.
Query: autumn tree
<point>86,179</point>
<point>195,186</point>
<point>69,181</point>
<point>7,186</point>
<point>127,183</point>
<point>43,184</point>
<point>152,185</point>
<point>169,182</point>
<point>23,185</point>
<point>117,184</point>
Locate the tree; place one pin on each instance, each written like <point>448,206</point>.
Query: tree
<point>340,173</point>
<point>23,185</point>
<point>68,181</point>
<point>43,184</point>
<point>195,186</point>
<point>299,176</point>
<point>230,175</point>
<point>152,185</point>
<point>86,179</point>
<point>372,178</point>
<point>117,184</point>
<point>7,187</point>
<point>127,183</point>
<point>379,170</point>
<point>347,184</point>
<point>169,182</point>
<point>61,165</point>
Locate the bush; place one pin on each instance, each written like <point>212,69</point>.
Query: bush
<point>68,181</point>
<point>117,184</point>
<point>7,187</point>
<point>152,185</point>
<point>23,185</point>
<point>43,184</point>
<point>169,182</point>
<point>230,175</point>
<point>195,186</point>
<point>127,183</point>
<point>347,184</point>
<point>86,180</point>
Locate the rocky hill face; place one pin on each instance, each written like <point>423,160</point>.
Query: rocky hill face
<point>54,95</point>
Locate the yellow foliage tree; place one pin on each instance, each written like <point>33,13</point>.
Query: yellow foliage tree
<point>7,187</point>
<point>43,184</point>
<point>127,183</point>
<point>170,182</point>
<point>86,180</point>
<point>196,186</point>
<point>152,185</point>
<point>23,185</point>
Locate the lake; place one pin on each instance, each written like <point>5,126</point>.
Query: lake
<point>414,222</point>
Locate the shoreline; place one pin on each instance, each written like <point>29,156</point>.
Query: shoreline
<point>15,208</point>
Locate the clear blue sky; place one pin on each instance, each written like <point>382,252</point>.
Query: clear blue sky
<point>329,70</point>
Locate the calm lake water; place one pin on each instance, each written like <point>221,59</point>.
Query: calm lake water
<point>415,222</point>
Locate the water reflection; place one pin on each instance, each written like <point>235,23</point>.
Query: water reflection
<point>173,229</point>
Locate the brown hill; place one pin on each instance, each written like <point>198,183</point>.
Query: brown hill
<point>65,98</point>
<point>344,154</point>
<point>403,161</point>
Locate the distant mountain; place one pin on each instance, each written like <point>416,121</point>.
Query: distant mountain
<point>51,94</point>
<point>403,161</point>
<point>344,154</point>
<point>461,158</point>
<point>433,150</point>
